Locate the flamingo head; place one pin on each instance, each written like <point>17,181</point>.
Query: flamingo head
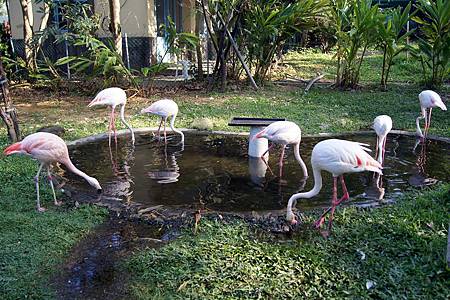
<point>94,182</point>
<point>261,134</point>
<point>290,217</point>
<point>147,110</point>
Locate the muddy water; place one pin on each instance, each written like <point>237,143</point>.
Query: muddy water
<point>92,270</point>
<point>214,172</point>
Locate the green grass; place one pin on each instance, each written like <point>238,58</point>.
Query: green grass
<point>404,246</point>
<point>34,244</point>
<point>306,63</point>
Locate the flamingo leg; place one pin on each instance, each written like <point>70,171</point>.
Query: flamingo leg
<point>426,121</point>
<point>36,181</point>
<point>159,129</point>
<point>50,179</point>
<point>165,134</point>
<point>334,200</point>
<point>114,125</point>
<point>110,126</point>
<point>281,160</point>
<point>264,160</point>
<point>345,195</point>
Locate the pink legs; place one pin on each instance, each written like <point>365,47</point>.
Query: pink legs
<point>264,160</point>
<point>334,202</point>
<point>50,179</point>
<point>112,126</point>
<point>159,129</point>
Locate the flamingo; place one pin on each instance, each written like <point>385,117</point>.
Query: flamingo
<point>428,99</point>
<point>284,133</point>
<point>382,125</point>
<point>48,148</point>
<point>165,108</point>
<point>113,97</point>
<point>337,157</point>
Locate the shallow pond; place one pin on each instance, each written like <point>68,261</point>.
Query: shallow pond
<point>213,172</point>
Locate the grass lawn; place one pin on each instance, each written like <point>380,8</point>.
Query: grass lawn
<point>404,248</point>
<point>403,254</point>
<point>33,244</point>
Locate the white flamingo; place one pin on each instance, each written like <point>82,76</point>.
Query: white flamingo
<point>165,108</point>
<point>337,157</point>
<point>48,149</point>
<point>284,133</point>
<point>428,99</point>
<point>113,97</point>
<point>382,126</point>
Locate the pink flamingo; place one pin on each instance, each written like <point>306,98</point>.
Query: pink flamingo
<point>428,99</point>
<point>113,97</point>
<point>284,133</point>
<point>164,108</point>
<point>337,157</point>
<point>48,148</point>
<point>382,126</point>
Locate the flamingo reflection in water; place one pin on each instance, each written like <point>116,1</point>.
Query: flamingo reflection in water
<point>419,177</point>
<point>170,171</point>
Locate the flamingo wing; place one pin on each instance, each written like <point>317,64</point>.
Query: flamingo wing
<point>111,96</point>
<point>163,108</point>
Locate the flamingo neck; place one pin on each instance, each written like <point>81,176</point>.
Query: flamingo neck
<point>315,190</point>
<point>380,148</point>
<point>122,117</point>
<point>172,125</point>
<point>74,169</point>
<point>418,131</point>
<point>300,160</point>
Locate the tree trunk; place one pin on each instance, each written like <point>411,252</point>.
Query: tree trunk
<point>27,14</point>
<point>114,12</point>
<point>7,111</point>
<point>198,48</point>
<point>42,27</point>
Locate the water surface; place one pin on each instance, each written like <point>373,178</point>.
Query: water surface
<point>214,172</point>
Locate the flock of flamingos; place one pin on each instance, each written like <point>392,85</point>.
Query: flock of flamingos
<point>333,155</point>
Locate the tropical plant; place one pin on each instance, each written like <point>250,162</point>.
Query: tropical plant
<point>268,24</point>
<point>434,40</point>
<point>393,37</point>
<point>178,42</point>
<point>99,59</point>
<point>355,25</point>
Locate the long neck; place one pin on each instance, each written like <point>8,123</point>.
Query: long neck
<point>380,149</point>
<point>300,160</point>
<point>172,123</point>
<point>122,117</point>
<point>316,189</point>
<point>418,131</point>
<point>74,169</point>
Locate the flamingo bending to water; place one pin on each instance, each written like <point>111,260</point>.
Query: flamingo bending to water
<point>48,148</point>
<point>337,157</point>
<point>165,108</point>
<point>428,99</point>
<point>113,97</point>
<point>284,133</point>
<point>382,126</point>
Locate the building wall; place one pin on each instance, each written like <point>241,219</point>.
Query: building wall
<point>17,17</point>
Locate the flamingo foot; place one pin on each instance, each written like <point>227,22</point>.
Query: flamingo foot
<point>319,222</point>
<point>58,203</point>
<point>325,233</point>
<point>41,209</point>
